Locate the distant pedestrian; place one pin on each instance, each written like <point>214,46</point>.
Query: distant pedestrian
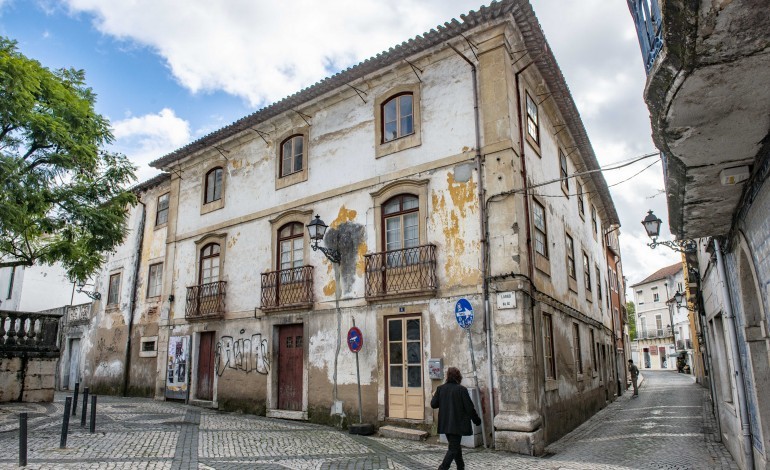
<point>455,413</point>
<point>634,371</point>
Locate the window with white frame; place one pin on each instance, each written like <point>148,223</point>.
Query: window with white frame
<point>155,280</point>
<point>533,123</point>
<point>113,292</point>
<point>541,229</point>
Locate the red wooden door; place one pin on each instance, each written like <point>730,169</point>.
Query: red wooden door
<point>205,380</point>
<point>290,367</point>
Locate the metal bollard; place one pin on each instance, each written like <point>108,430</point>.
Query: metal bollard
<point>92,424</point>
<point>75,398</point>
<point>85,407</point>
<point>22,439</point>
<point>65,423</point>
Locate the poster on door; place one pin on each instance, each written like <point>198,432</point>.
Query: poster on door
<point>176,369</point>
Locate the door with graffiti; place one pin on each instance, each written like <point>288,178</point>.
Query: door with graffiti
<point>404,368</point>
<point>205,375</point>
<point>290,347</point>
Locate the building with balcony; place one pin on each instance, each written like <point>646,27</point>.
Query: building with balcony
<point>662,328</point>
<point>453,166</point>
<point>710,120</point>
<point>616,303</point>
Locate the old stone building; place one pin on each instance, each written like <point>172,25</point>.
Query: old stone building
<point>710,120</point>
<point>616,303</point>
<point>111,344</point>
<point>453,166</point>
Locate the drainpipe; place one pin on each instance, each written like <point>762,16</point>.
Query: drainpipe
<point>134,289</point>
<point>530,266</point>
<point>484,225</point>
<point>748,453</point>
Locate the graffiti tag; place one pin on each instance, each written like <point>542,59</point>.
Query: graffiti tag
<point>245,354</point>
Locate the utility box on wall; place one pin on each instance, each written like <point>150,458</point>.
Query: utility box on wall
<point>436,368</point>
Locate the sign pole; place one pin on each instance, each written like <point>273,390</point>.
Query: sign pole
<point>476,380</point>
<point>355,343</point>
<point>360,406</point>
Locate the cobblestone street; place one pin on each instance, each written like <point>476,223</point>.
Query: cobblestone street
<point>668,426</point>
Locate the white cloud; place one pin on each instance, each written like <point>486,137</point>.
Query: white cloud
<point>143,138</point>
<point>264,51</point>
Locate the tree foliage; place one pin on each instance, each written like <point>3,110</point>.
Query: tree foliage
<point>62,196</point>
<point>631,310</point>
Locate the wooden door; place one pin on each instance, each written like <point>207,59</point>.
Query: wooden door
<point>290,347</point>
<point>74,363</point>
<point>205,377</point>
<point>404,358</point>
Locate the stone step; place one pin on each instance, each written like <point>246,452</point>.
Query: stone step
<point>403,433</point>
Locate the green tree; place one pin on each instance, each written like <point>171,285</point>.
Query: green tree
<point>631,310</point>
<point>62,196</point>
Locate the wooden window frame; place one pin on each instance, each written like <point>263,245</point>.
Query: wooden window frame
<point>158,266</point>
<point>113,290</point>
<point>295,177</point>
<point>599,285</point>
<point>594,221</point>
<point>577,350</point>
<point>384,147</point>
<point>383,123</point>
<point>202,257</point>
<point>292,237</point>
<point>160,209</point>
<point>401,213</point>
<point>549,359</point>
<point>294,138</point>
<point>206,205</point>
<point>418,188</point>
<point>210,181</point>
<point>564,173</point>
<point>580,201</point>
<point>569,248</point>
<point>542,261</point>
<point>534,120</point>
<point>587,276</point>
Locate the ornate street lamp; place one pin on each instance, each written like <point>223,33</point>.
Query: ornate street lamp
<point>681,302</point>
<point>652,224</point>
<point>91,295</point>
<point>317,229</point>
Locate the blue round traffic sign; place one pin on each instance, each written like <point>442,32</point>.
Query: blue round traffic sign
<point>464,313</point>
<point>355,339</point>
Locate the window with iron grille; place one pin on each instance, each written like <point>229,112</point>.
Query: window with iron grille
<point>533,124</point>
<point>541,229</point>
<point>113,293</point>
<point>398,117</point>
<point>155,280</point>
<point>548,351</point>
<point>292,154</point>
<point>213,185</point>
<point>161,214</point>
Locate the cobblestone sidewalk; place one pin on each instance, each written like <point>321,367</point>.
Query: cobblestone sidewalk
<point>664,428</point>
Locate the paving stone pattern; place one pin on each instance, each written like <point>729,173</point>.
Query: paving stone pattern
<point>670,426</point>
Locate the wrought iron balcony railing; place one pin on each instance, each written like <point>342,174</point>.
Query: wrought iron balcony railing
<point>287,289</point>
<point>31,334</point>
<point>653,334</point>
<point>649,29</point>
<point>405,271</point>
<point>206,301</point>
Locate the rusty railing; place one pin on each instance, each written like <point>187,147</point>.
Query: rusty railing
<point>409,270</point>
<point>287,288</point>
<point>206,301</point>
<point>29,332</point>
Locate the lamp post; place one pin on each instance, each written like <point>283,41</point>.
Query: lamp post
<point>89,294</point>
<point>316,229</point>
<point>652,224</point>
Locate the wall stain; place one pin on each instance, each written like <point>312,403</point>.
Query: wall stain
<point>463,195</point>
<point>344,215</point>
<point>233,240</point>
<point>346,236</point>
<point>330,288</point>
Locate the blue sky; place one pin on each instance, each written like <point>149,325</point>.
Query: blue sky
<point>167,72</point>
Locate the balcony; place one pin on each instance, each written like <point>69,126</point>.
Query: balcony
<point>709,118</point>
<point>654,334</point>
<point>287,289</point>
<point>401,273</point>
<point>206,301</point>
<point>26,334</point>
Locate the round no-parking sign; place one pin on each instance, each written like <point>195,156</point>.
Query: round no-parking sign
<point>355,339</point>
<point>464,313</point>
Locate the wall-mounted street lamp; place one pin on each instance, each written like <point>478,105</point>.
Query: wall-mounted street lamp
<point>317,229</point>
<point>652,227</point>
<point>91,295</point>
<point>681,302</point>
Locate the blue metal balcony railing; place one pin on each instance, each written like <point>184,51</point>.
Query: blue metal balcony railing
<point>649,29</point>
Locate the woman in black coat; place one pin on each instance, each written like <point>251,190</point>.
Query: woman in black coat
<point>455,413</point>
